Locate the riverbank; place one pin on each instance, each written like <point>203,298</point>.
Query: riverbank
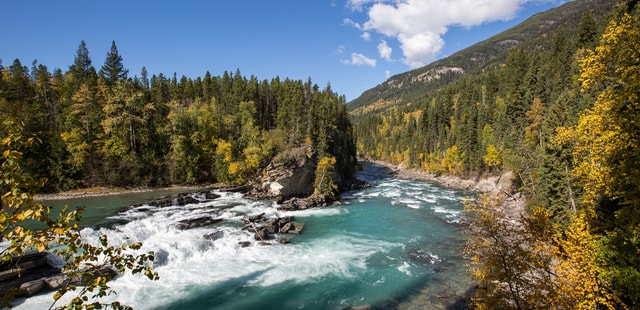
<point>513,205</point>
<point>110,191</point>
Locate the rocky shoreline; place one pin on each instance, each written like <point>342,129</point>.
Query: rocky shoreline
<point>502,184</point>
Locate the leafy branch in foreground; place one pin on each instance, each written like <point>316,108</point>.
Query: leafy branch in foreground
<point>523,263</point>
<point>27,226</point>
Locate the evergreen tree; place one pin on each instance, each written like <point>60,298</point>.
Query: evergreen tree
<point>82,70</point>
<point>587,30</point>
<point>113,70</point>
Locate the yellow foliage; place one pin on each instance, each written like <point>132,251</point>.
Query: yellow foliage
<point>253,156</point>
<point>453,161</point>
<point>606,149</point>
<point>533,134</point>
<point>492,158</point>
<point>578,272</point>
<point>235,167</point>
<point>323,183</point>
<point>224,148</point>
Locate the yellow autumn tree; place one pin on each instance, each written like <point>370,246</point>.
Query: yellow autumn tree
<point>511,256</point>
<point>608,147</point>
<point>324,184</point>
<point>607,154</point>
<point>579,272</point>
<point>492,157</point>
<point>453,161</point>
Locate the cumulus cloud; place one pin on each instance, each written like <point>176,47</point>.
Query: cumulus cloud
<point>419,25</point>
<point>366,36</point>
<point>384,50</point>
<point>358,59</point>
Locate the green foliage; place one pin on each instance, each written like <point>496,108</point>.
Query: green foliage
<point>107,129</point>
<point>113,70</point>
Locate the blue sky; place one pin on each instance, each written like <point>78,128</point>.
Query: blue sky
<point>352,44</point>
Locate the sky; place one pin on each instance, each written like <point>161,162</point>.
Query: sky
<point>352,44</point>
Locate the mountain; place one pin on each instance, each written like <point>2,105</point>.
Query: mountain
<point>536,31</point>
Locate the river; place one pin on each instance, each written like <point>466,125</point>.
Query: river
<point>396,245</point>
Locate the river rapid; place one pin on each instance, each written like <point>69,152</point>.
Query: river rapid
<point>396,245</point>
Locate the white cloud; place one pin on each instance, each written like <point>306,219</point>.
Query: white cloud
<point>340,49</point>
<point>384,50</point>
<point>350,22</point>
<point>366,36</point>
<point>419,25</point>
<point>358,5</point>
<point>387,74</point>
<point>358,59</point>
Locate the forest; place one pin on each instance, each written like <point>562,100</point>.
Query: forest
<point>563,115</point>
<point>105,128</point>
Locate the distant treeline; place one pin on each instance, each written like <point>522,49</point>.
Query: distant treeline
<point>106,128</point>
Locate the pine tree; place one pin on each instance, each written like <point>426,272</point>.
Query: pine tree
<point>113,70</point>
<point>82,70</point>
<point>587,30</point>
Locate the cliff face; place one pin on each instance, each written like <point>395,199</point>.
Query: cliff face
<point>289,177</point>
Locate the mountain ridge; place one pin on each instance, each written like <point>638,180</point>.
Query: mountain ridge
<point>403,88</point>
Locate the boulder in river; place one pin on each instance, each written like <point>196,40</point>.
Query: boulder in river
<point>306,203</point>
<point>213,236</point>
<point>196,222</point>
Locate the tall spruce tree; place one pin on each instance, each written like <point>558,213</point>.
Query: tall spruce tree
<point>113,70</point>
<point>82,68</point>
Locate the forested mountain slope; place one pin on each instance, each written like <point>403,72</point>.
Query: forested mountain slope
<point>560,108</point>
<point>105,128</point>
<point>536,31</point>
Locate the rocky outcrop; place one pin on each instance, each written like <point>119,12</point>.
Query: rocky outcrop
<point>306,203</point>
<point>33,273</point>
<point>196,222</point>
<point>24,274</point>
<point>290,175</point>
<point>181,199</point>
<point>266,229</point>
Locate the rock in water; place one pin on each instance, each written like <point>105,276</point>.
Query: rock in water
<point>213,236</point>
<point>196,222</point>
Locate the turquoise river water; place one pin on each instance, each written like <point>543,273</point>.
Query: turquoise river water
<point>396,245</point>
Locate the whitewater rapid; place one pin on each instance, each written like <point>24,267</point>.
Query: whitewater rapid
<point>347,255</point>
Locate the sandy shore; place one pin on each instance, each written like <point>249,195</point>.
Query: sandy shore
<point>109,191</point>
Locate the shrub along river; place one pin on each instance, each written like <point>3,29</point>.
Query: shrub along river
<point>394,245</point>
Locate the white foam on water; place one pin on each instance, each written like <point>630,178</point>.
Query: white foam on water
<point>430,198</point>
<point>187,261</point>
<point>405,268</point>
<point>329,211</point>
<point>391,193</point>
<point>452,216</point>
